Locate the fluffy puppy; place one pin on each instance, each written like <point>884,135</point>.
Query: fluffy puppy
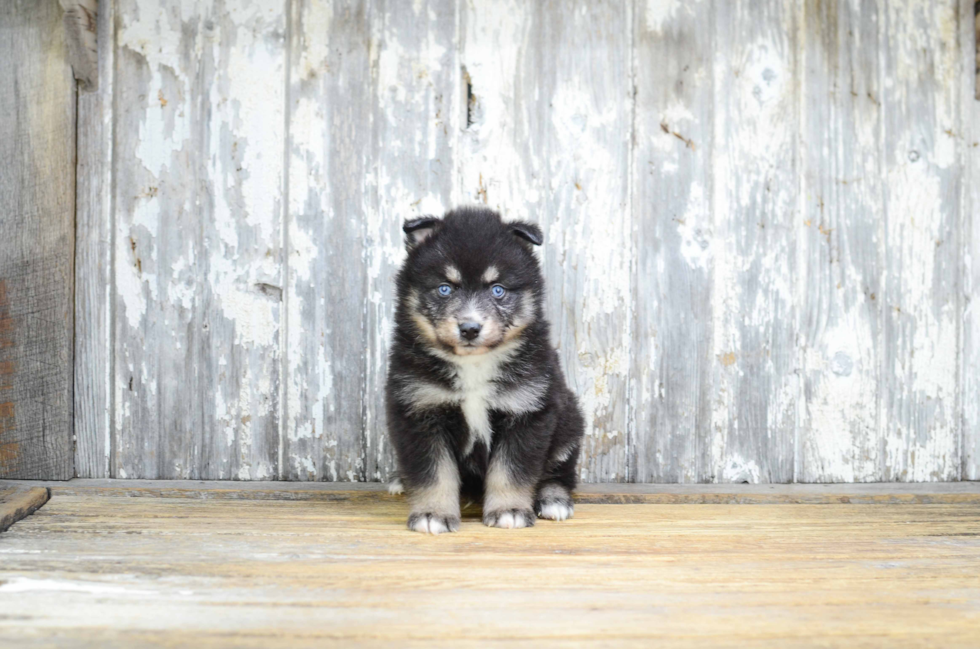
<point>476,399</point>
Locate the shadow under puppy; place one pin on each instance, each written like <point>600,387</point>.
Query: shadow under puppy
<point>476,399</point>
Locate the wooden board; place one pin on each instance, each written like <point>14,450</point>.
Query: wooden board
<point>17,503</point>
<point>840,243</point>
<point>672,392</point>
<point>755,193</point>
<point>330,196</point>
<point>37,190</point>
<point>970,250</point>
<point>879,493</point>
<point>198,175</point>
<point>374,114</point>
<point>217,573</point>
<point>566,168</point>
<point>94,276</point>
<point>918,164</point>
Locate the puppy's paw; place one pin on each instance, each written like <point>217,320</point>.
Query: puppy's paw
<point>395,487</point>
<point>429,523</point>
<point>556,509</point>
<point>509,519</point>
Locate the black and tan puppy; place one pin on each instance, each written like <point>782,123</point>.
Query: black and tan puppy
<point>477,403</point>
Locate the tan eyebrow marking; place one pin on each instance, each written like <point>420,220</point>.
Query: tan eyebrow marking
<point>491,274</point>
<point>453,275</point>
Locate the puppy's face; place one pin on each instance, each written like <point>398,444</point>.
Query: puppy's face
<point>471,282</point>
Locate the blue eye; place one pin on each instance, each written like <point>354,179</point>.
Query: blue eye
<point>445,290</point>
<point>497,290</point>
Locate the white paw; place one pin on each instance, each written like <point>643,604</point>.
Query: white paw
<point>509,519</point>
<point>555,510</point>
<point>433,523</point>
<point>395,487</point>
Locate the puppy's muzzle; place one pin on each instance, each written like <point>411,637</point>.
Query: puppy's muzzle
<point>469,330</point>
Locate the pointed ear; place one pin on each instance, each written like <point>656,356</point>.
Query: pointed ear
<point>418,230</point>
<point>527,231</point>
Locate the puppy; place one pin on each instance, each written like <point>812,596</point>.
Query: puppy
<point>476,399</point>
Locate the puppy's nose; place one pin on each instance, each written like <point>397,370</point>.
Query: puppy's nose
<point>469,330</point>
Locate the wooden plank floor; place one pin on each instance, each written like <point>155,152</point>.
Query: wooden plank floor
<point>98,568</point>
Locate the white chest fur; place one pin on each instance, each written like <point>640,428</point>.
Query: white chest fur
<point>475,391</point>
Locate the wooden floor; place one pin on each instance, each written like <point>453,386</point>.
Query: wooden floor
<point>103,566</point>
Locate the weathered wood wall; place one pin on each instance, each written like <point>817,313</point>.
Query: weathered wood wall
<point>37,192</point>
<point>760,221</point>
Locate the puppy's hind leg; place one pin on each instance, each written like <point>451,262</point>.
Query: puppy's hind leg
<point>433,492</point>
<point>553,496</point>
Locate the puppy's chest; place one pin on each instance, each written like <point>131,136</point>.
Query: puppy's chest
<point>477,389</point>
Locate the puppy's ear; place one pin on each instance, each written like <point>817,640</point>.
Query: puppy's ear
<point>527,231</point>
<point>418,230</point>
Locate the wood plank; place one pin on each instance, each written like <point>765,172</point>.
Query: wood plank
<point>970,251</point>
<point>550,143</point>
<point>755,203</point>
<point>840,236</point>
<point>37,189</point>
<point>198,201</point>
<point>417,116</point>
<point>918,159</point>
<point>93,262</point>
<point>330,197</point>
<point>604,493</point>
<point>672,363</point>
<point>17,503</point>
<point>220,573</point>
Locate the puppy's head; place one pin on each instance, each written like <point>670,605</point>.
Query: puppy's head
<point>471,282</point>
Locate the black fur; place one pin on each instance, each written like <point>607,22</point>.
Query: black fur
<point>439,382</point>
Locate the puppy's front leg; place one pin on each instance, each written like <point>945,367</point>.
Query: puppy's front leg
<point>433,491</point>
<point>507,500</point>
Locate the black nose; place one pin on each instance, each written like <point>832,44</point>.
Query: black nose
<point>469,330</point>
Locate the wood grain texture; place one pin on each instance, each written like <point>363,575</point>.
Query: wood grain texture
<point>754,200</point>
<point>216,573</point>
<point>374,114</point>
<point>969,228</point>
<point>37,193</point>
<point>331,194</point>
<point>17,503</point>
<point>672,391</point>
<point>879,493</point>
<point>760,240</point>
<point>93,262</point>
<point>417,116</point>
<point>840,236</point>
<point>198,208</point>
<point>566,168</point>
<point>918,163</point>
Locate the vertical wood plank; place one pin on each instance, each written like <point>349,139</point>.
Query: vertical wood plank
<point>840,242</point>
<point>672,362</point>
<point>331,193</point>
<point>754,201</point>
<point>417,112</point>
<point>197,169</point>
<point>920,310</point>
<point>93,261</point>
<point>548,140</point>
<point>970,233</point>
<point>37,191</point>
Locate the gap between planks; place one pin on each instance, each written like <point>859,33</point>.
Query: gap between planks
<point>655,494</point>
